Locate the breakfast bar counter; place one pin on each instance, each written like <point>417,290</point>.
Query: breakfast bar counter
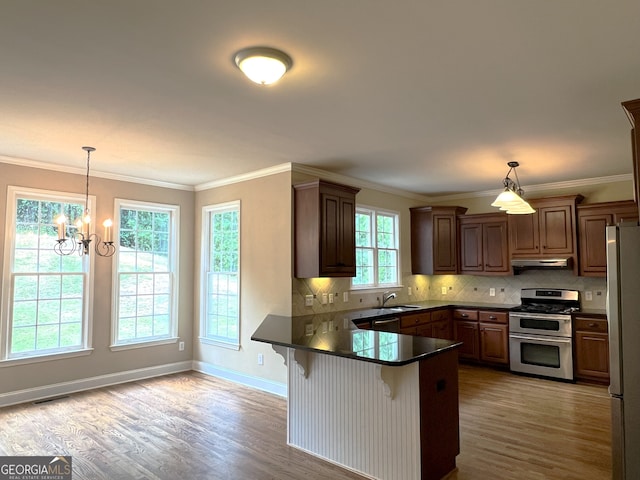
<point>379,403</point>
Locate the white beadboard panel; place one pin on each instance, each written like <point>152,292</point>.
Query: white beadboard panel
<point>340,412</point>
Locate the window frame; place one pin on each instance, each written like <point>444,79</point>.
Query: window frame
<point>373,212</point>
<point>206,250</point>
<point>14,193</point>
<point>174,249</point>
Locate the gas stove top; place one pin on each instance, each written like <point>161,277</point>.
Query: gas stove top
<point>546,308</point>
<point>548,301</point>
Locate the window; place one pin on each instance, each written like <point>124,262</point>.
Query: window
<point>221,274</point>
<point>377,257</point>
<point>45,295</point>
<point>146,263</point>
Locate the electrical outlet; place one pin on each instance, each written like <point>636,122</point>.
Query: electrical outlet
<point>260,359</point>
<point>409,291</point>
<point>492,292</point>
<point>588,296</point>
<point>331,298</point>
<point>345,297</point>
<point>325,299</point>
<point>444,290</point>
<point>308,300</point>
<point>181,346</point>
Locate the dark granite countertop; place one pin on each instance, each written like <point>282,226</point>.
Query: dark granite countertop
<point>592,312</point>
<point>336,334</point>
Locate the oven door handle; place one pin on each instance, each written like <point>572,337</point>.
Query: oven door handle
<point>541,339</point>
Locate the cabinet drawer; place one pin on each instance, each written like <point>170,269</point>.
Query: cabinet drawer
<point>494,317</point>
<point>415,319</point>
<point>597,325</point>
<point>463,314</point>
<point>438,315</point>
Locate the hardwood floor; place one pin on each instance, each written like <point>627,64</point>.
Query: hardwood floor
<point>194,427</point>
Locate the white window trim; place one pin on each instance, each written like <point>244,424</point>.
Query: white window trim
<point>386,286</point>
<point>204,255</point>
<point>13,192</point>
<point>174,253</point>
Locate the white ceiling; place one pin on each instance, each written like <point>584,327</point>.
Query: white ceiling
<point>430,96</point>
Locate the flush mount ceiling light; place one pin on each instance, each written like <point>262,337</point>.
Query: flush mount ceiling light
<point>510,200</point>
<point>263,65</point>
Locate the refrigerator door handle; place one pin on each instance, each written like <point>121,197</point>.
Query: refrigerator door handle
<point>613,310</point>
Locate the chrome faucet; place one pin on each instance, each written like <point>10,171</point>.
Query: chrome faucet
<point>386,296</point>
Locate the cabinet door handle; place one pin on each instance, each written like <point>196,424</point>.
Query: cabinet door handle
<point>464,315</point>
<point>592,325</point>
<point>492,317</point>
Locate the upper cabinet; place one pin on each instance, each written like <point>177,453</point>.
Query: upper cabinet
<point>548,233</point>
<point>484,244</point>
<point>592,223</point>
<point>632,109</point>
<point>324,230</point>
<point>434,240</point>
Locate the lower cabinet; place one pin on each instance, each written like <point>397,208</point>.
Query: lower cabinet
<point>434,324</point>
<point>591,349</point>
<point>494,337</point>
<point>466,331</point>
<point>484,335</point>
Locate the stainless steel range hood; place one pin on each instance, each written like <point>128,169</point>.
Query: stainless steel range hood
<point>541,263</point>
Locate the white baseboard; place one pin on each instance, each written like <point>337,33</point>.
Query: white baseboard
<point>270,386</point>
<point>66,388</point>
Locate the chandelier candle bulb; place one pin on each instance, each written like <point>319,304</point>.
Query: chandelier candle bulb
<point>107,230</point>
<point>86,221</point>
<point>62,227</point>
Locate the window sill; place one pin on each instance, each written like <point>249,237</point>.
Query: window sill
<point>217,343</point>
<point>12,362</point>
<point>142,344</point>
<point>369,289</point>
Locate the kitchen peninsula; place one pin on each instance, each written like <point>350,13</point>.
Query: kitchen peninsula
<point>379,403</point>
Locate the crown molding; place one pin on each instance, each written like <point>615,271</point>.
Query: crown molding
<point>264,172</point>
<point>23,162</point>
<point>543,187</point>
<point>356,182</point>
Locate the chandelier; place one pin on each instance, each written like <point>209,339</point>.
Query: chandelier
<point>510,200</point>
<point>77,237</point>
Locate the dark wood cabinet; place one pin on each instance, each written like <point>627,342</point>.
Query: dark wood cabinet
<point>434,324</point>
<point>591,349</point>
<point>466,330</point>
<point>484,245</point>
<point>484,335</point>
<point>324,230</point>
<point>549,232</point>
<point>592,223</point>
<point>494,337</point>
<point>434,242</point>
<point>632,109</point>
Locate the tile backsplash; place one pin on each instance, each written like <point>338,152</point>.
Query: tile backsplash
<point>467,288</point>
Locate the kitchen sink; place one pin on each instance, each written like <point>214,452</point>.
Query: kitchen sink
<point>397,307</point>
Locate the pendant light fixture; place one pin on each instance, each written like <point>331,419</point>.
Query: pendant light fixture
<point>510,200</point>
<point>263,65</point>
<point>78,237</point>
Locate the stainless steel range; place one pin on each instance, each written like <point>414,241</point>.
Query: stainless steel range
<point>540,333</point>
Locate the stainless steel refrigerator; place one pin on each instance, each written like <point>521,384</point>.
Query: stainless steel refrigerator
<point>623,313</point>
